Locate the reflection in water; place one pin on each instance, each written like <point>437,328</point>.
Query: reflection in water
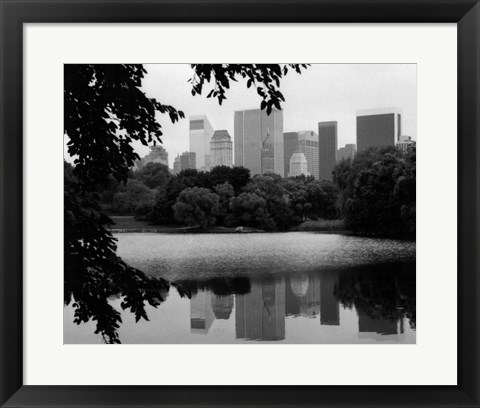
<point>259,298</point>
<point>382,299</point>
<point>329,304</point>
<point>260,314</point>
<point>201,313</point>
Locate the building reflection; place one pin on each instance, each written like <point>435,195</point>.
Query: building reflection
<point>260,314</point>
<point>258,309</point>
<point>201,313</point>
<point>329,304</point>
<point>302,296</point>
<point>222,306</point>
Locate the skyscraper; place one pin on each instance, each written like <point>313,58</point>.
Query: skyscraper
<point>346,152</point>
<point>200,134</point>
<point>327,149</point>
<point>258,140</point>
<point>405,143</point>
<point>305,142</point>
<point>183,162</point>
<point>378,127</point>
<point>298,165</point>
<point>221,149</point>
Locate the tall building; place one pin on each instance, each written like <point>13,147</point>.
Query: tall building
<point>199,138</point>
<point>184,161</point>
<point>305,142</point>
<point>221,149</point>
<point>258,139</point>
<point>405,143</point>
<point>157,154</point>
<point>378,127</point>
<point>347,152</point>
<point>298,165</point>
<point>327,149</point>
<point>290,146</point>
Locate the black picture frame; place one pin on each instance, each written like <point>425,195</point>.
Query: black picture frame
<point>14,13</point>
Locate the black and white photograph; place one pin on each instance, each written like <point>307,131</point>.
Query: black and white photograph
<point>240,203</point>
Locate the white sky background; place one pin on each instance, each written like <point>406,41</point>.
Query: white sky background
<point>323,92</point>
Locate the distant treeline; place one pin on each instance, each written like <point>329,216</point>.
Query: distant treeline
<point>374,194</point>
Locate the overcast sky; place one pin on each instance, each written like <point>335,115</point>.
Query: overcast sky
<point>324,92</point>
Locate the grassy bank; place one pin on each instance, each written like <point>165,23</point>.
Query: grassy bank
<point>321,226</point>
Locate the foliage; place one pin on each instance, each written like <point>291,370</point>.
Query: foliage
<point>377,192</point>
<point>134,195</point>
<point>264,77</point>
<point>105,111</point>
<point>251,210</point>
<point>153,175</point>
<point>197,206</point>
<point>225,193</point>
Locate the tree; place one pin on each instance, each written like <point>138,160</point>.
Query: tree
<point>378,192</point>
<point>135,194</point>
<point>251,210</point>
<point>225,193</point>
<point>105,110</point>
<point>153,175</point>
<point>197,206</point>
<point>269,187</point>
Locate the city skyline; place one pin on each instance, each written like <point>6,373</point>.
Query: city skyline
<point>323,92</point>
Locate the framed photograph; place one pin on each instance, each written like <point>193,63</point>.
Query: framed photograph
<point>215,203</point>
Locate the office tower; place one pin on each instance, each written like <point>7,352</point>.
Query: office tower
<point>157,154</point>
<point>378,127</point>
<point>329,305</point>
<point>201,313</point>
<point>405,143</point>
<point>327,149</point>
<point>258,140</point>
<point>290,146</point>
<point>221,149</point>
<point>183,162</point>
<point>260,314</point>
<point>298,165</point>
<point>199,137</point>
<point>305,142</point>
<point>346,152</point>
<point>176,165</point>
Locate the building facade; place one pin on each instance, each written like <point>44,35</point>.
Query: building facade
<point>184,161</point>
<point>221,149</point>
<point>298,165</point>
<point>327,149</point>
<point>258,140</point>
<point>305,142</point>
<point>405,143</point>
<point>378,127</point>
<point>347,152</point>
<point>201,131</point>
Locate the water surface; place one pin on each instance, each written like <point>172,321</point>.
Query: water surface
<point>270,288</point>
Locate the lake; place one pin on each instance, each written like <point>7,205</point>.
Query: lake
<point>294,287</point>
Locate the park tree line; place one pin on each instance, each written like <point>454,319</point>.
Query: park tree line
<point>223,196</point>
<point>374,194</point>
